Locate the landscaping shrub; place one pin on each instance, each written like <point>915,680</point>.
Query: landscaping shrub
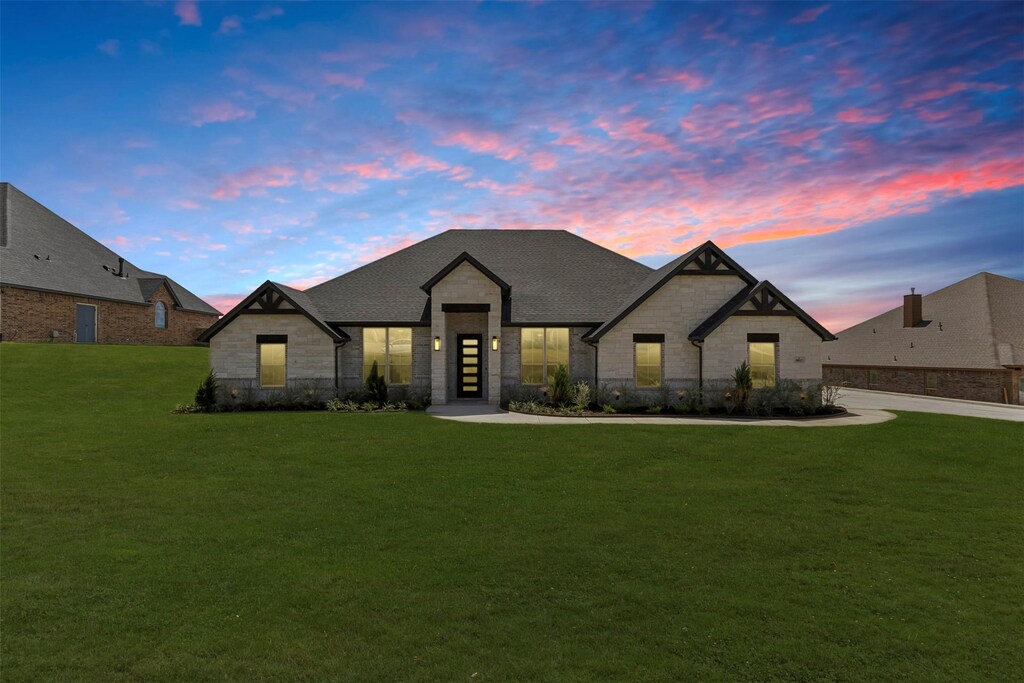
<point>581,396</point>
<point>743,385</point>
<point>375,385</point>
<point>560,387</point>
<point>206,394</point>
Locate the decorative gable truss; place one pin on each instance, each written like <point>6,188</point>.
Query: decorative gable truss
<point>762,299</point>
<point>271,297</point>
<point>708,259</point>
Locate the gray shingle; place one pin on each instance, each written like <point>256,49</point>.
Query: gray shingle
<point>975,323</point>
<point>43,251</point>
<point>554,276</point>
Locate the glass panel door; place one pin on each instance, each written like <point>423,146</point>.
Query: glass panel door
<point>469,376</point>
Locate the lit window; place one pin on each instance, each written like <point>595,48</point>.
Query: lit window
<point>160,315</point>
<point>272,364</point>
<point>391,349</point>
<point>542,351</point>
<point>648,364</point>
<point>762,364</point>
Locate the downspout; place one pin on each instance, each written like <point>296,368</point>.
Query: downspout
<point>594,344</point>
<point>337,349</point>
<point>700,363</point>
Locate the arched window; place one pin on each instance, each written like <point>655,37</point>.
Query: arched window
<point>160,313</point>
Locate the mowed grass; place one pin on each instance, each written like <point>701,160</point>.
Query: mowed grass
<point>140,545</point>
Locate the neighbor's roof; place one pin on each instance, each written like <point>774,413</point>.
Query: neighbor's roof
<point>43,251</point>
<point>553,276</point>
<point>977,323</point>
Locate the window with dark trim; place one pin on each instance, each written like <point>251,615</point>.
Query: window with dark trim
<point>391,349</point>
<point>273,359</point>
<point>541,351</point>
<point>160,315</point>
<point>873,377</point>
<point>931,382</point>
<point>647,357</point>
<point>762,355</point>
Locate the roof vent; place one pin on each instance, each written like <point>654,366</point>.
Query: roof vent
<point>912,309</point>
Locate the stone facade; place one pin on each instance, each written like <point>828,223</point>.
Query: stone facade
<point>674,310</point>
<point>234,353</point>
<point>350,361</point>
<point>465,285</point>
<point>33,316</point>
<point>994,386</point>
<point>797,355</point>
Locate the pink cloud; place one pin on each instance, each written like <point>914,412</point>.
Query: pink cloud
<point>224,302</point>
<point>798,138</point>
<point>857,115</point>
<point>770,105</point>
<point>637,130</point>
<point>189,204</point>
<point>230,26</point>
<point>218,112</point>
<point>688,80</point>
<point>809,15</point>
<point>201,241</point>
<point>187,12</point>
<point>481,142</point>
<point>123,243</point>
<point>372,170</point>
<point>255,181</point>
<point>344,80</point>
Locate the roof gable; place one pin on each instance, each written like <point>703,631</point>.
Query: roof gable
<point>706,259</point>
<point>464,257</point>
<point>762,299</point>
<point>275,298</point>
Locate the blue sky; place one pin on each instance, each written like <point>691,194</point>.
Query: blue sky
<point>845,151</point>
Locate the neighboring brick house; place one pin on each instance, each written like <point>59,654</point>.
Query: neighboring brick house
<point>469,313</point>
<point>57,284</point>
<point>964,341</point>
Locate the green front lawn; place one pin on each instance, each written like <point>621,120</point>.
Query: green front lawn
<point>140,545</point>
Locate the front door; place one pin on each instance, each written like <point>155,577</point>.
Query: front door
<point>467,368</point>
<point>85,323</point>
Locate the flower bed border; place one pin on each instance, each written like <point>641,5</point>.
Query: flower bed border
<point>843,412</point>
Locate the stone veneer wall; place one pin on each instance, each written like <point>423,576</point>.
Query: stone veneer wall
<point>971,385</point>
<point>465,285</point>
<point>798,353</point>
<point>674,310</point>
<point>350,360</point>
<point>581,356</point>
<point>32,316</point>
<point>234,353</point>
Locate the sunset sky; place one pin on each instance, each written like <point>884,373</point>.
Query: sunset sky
<point>847,152</point>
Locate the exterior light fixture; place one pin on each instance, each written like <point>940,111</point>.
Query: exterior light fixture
<point>494,343</point>
<point>437,343</point>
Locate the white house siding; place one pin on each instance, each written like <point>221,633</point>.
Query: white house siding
<point>465,285</point>
<point>234,353</point>
<point>350,359</point>
<point>675,310</point>
<point>726,347</point>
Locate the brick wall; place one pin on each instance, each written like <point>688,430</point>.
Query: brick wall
<point>973,385</point>
<point>31,316</point>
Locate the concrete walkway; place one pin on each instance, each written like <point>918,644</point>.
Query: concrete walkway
<point>860,399</point>
<point>484,413</point>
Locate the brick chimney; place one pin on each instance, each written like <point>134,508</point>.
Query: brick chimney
<point>911,309</point>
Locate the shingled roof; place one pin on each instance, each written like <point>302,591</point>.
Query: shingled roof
<point>42,251</point>
<point>977,323</point>
<point>552,276</point>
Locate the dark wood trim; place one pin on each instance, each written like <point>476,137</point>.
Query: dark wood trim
<point>648,339</point>
<point>762,338</point>
<point>781,311</point>
<point>380,323</point>
<point>243,307</point>
<point>271,311</point>
<point>271,338</point>
<point>465,308</point>
<point>710,272</point>
<point>555,324</point>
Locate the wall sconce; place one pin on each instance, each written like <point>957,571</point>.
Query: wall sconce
<point>437,343</point>
<point>494,343</point>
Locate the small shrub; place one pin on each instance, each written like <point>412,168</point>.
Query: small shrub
<point>581,396</point>
<point>560,387</point>
<point>654,410</point>
<point>744,384</point>
<point>206,394</point>
<point>607,408</point>
<point>829,392</point>
<point>369,406</point>
<point>375,385</point>
<point>186,409</point>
